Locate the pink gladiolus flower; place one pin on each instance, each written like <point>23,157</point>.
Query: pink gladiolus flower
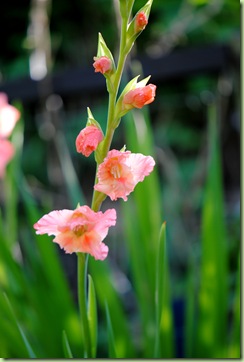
<point>139,97</point>
<point>88,140</point>
<point>121,171</point>
<point>6,154</point>
<point>9,115</point>
<point>102,64</point>
<point>80,230</point>
<point>140,21</point>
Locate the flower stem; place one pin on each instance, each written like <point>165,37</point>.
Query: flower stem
<point>99,197</point>
<point>82,298</point>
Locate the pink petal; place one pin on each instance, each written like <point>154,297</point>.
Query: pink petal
<point>121,171</point>
<point>9,115</point>
<point>81,230</point>
<point>104,221</point>
<point>6,154</point>
<point>50,223</point>
<point>141,166</point>
<point>99,251</point>
<point>90,243</point>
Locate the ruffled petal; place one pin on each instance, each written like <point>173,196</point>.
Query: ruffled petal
<point>53,222</point>
<point>140,165</point>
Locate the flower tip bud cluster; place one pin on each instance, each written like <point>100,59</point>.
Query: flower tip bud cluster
<point>140,21</point>
<point>102,64</point>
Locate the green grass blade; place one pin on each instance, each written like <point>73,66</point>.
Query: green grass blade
<point>111,341</point>
<point>142,215</point>
<point>66,346</point>
<point>106,293</point>
<point>29,349</point>
<point>235,340</point>
<point>190,313</point>
<point>92,315</point>
<point>74,190</point>
<point>164,321</point>
<point>212,336</point>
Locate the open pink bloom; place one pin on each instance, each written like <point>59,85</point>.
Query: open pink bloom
<point>80,230</point>
<point>140,21</point>
<point>6,154</point>
<point>102,64</point>
<point>121,171</point>
<point>9,115</point>
<point>139,97</point>
<point>88,140</point>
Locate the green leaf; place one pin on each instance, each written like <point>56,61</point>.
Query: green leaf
<point>235,337</point>
<point>212,328</point>
<point>70,176</point>
<point>66,346</point>
<point>92,315</point>
<point>190,313</point>
<point>111,341</point>
<point>142,215</point>
<point>107,294</point>
<point>164,320</point>
<point>29,349</point>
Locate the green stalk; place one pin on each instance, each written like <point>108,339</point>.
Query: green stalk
<point>82,297</point>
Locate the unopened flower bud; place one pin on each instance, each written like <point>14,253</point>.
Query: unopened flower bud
<point>102,64</point>
<point>88,140</point>
<point>139,97</point>
<point>140,21</point>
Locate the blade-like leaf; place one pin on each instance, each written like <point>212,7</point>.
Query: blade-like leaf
<point>111,341</point>
<point>164,321</point>
<point>212,328</point>
<point>29,349</point>
<point>106,293</point>
<point>142,215</point>
<point>66,346</point>
<point>92,315</point>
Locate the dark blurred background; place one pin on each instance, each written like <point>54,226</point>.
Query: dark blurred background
<point>192,50</point>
